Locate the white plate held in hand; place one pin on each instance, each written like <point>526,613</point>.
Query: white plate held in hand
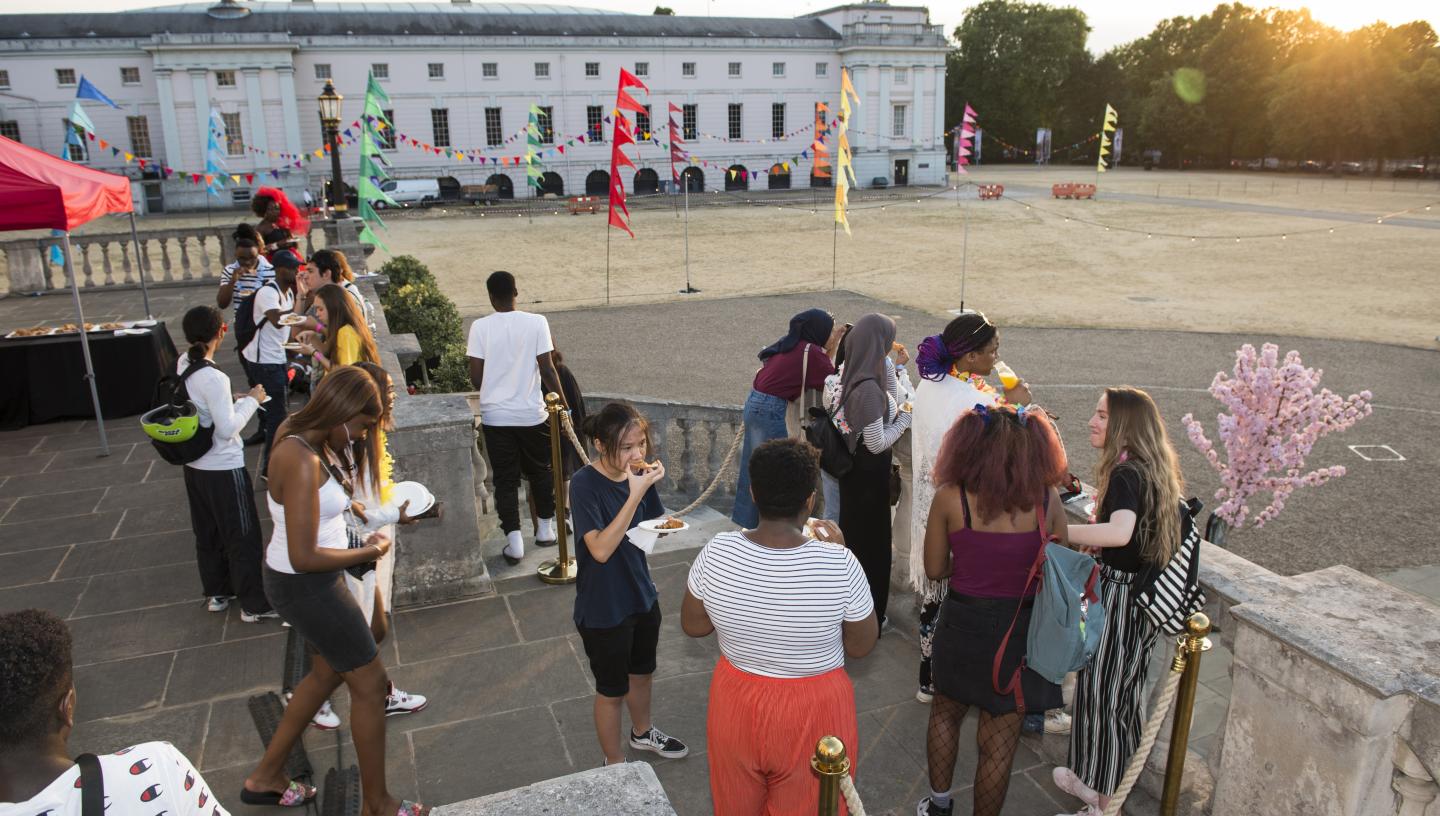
<point>419,497</point>
<point>653,525</point>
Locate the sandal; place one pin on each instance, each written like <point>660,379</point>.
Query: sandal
<point>409,808</point>
<point>295,795</point>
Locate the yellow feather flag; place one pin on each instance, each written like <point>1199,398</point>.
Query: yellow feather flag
<point>1111,117</point>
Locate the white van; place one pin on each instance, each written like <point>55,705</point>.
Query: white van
<point>412,192</point>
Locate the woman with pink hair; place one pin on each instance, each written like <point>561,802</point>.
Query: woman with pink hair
<point>276,213</point>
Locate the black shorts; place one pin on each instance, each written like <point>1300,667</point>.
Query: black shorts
<point>322,609</point>
<point>619,651</point>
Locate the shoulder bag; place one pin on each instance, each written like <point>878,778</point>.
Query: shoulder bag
<point>1169,595</point>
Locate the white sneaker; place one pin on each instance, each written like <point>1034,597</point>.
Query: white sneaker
<point>217,603</point>
<point>925,694</point>
<point>400,702</point>
<point>246,617</point>
<point>514,548</point>
<point>1066,780</point>
<point>1057,722</point>
<point>545,535</point>
<point>326,719</point>
<point>1088,810</point>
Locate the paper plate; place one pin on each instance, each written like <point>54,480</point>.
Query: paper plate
<point>653,525</point>
<point>418,495</point>
<point>291,319</point>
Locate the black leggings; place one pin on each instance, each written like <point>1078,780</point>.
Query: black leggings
<point>227,535</point>
<point>865,519</point>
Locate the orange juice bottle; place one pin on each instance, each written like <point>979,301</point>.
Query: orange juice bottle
<point>1007,375</point>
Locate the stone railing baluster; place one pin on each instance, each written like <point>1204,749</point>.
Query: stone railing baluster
<point>184,242</point>
<point>88,279</point>
<point>203,270</point>
<point>164,242</point>
<point>105,259</point>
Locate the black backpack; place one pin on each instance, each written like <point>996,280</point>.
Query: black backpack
<point>246,321</point>
<point>172,401</point>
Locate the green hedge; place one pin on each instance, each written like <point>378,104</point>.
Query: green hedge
<point>403,270</point>
<point>414,304</point>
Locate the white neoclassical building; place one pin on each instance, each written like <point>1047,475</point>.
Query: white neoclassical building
<point>463,75</point>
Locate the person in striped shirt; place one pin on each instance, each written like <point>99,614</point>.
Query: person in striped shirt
<point>788,603</point>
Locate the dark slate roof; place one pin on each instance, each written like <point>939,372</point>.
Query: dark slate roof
<point>416,18</point>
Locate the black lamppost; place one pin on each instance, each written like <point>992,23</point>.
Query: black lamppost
<point>330,118</point>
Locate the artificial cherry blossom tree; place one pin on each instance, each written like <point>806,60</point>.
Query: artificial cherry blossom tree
<point>1277,412</point>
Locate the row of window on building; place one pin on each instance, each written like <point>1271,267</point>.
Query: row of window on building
<point>138,127</point>
<point>225,78</point>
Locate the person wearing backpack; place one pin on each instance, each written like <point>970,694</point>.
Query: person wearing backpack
<point>1138,525</point>
<point>264,348</point>
<point>239,281</point>
<point>996,505</point>
<point>217,485</point>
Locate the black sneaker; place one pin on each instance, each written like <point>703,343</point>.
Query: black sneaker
<point>927,807</point>
<point>657,741</point>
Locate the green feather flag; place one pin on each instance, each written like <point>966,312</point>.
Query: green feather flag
<point>372,161</point>
<point>532,144</point>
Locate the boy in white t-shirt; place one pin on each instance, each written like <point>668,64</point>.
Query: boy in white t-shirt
<point>37,775</point>
<point>265,354</point>
<point>510,364</point>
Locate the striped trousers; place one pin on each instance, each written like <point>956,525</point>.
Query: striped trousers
<point>1110,693</point>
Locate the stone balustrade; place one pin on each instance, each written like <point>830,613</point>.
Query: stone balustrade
<point>692,441</point>
<point>108,260</point>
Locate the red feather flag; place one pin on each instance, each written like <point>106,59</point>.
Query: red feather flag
<point>622,136</point>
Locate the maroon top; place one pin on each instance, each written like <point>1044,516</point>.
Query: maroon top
<point>780,376</point>
<point>991,565</point>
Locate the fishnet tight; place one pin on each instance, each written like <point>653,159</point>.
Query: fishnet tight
<point>996,741</point>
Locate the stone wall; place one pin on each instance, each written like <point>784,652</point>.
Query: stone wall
<point>433,442</point>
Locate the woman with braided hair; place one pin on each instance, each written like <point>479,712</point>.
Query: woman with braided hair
<point>953,366</point>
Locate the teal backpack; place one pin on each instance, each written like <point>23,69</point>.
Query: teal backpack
<point>1066,622</point>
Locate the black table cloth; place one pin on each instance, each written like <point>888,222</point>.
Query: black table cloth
<point>43,378</point>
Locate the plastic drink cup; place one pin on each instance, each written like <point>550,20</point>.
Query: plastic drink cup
<point>1007,375</point>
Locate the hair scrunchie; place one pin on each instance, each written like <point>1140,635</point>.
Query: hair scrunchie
<point>934,359</point>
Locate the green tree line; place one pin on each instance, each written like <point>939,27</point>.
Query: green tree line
<point>1237,83</point>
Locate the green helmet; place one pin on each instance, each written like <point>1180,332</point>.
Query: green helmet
<point>172,423</point>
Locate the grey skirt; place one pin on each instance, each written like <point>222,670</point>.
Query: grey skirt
<point>323,611</point>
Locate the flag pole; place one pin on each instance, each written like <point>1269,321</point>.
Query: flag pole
<point>607,262</point>
<point>688,290</point>
<point>834,252</point>
<point>140,267</point>
<point>964,252</point>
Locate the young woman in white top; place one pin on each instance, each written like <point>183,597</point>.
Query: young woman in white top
<point>787,609</point>
<point>305,565</point>
<point>217,485</point>
<point>953,366</point>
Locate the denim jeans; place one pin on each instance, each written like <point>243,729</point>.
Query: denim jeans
<point>764,421</point>
<point>830,489</point>
<point>274,377</point>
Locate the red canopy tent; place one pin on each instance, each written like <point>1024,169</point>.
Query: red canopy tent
<point>40,191</point>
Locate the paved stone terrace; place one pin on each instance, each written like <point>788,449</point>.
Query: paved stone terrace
<point>106,543</point>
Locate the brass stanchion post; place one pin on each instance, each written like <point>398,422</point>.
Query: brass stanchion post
<point>832,764</point>
<point>561,569</point>
<point>1191,645</point>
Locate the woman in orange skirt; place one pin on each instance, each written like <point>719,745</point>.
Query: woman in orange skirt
<point>787,607</point>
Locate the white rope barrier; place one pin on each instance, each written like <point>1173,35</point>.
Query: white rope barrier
<point>709,491</point>
<point>1147,742</point>
<point>852,797</point>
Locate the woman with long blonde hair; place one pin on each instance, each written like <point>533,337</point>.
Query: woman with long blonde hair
<point>1137,528</point>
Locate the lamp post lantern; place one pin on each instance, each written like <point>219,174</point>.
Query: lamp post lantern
<point>330,119</point>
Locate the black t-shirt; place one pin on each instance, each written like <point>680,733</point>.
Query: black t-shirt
<point>606,594</point>
<point>1123,492</point>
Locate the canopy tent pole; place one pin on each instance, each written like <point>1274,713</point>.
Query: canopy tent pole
<point>140,265</point>
<point>85,343</point>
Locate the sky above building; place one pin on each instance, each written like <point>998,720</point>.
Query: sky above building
<point>1112,22</point>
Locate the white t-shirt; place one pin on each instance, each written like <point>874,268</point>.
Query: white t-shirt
<point>509,342</point>
<point>778,613</point>
<point>209,389</point>
<point>268,343</point>
<point>143,780</point>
